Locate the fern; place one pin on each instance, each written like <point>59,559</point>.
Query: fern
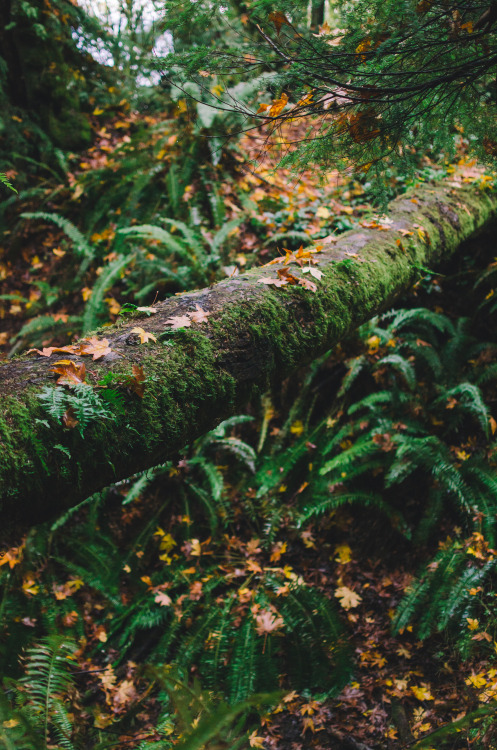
<point>106,279</point>
<point>86,404</point>
<point>5,181</point>
<point>80,244</point>
<point>46,681</point>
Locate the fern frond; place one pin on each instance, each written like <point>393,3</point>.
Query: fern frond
<point>47,677</point>
<point>402,365</point>
<point>106,279</point>
<point>80,244</point>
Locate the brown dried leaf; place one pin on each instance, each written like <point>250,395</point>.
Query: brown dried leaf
<point>95,347</point>
<point>138,381</point>
<point>48,351</point>
<point>278,19</point>
<point>268,622</point>
<point>270,281</point>
<point>69,418</point>
<point>199,316</point>
<point>287,275</point>
<point>179,321</point>
<point>307,284</point>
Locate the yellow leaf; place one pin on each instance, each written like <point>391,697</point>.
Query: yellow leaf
<point>167,543</point>
<point>472,624</point>
<point>422,693</point>
<point>343,553</point>
<point>29,586</point>
<point>477,680</point>
<point>11,723</point>
<point>297,428</point>
<point>145,336</point>
<point>323,212</point>
<point>98,111</point>
<point>255,740</point>
<point>196,549</point>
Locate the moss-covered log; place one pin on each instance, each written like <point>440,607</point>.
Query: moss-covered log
<point>255,335</point>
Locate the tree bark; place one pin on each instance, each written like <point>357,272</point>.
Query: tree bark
<point>255,335</point>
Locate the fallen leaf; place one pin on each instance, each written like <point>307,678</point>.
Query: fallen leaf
<point>150,310</point>
<point>254,739</point>
<point>285,273</point>
<point>313,271</point>
<point>138,380</point>
<point>48,351</point>
<point>70,373</point>
<point>343,553</point>
<point>268,622</point>
<point>163,599</point>
<point>94,346</point>
<point>145,336</point>
<point>348,598</point>
<point>307,284</point>
<point>69,418</point>
<point>179,321</point>
<point>270,281</point>
<point>199,316</point>
<point>422,693</point>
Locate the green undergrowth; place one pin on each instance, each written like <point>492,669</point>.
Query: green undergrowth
<point>203,566</point>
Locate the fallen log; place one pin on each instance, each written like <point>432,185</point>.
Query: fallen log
<point>238,337</point>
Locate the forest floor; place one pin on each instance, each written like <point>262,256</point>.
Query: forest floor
<point>402,687</point>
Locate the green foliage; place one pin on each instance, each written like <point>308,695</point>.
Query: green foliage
<point>83,403</point>
<point>7,183</point>
<point>425,65</point>
<point>41,714</point>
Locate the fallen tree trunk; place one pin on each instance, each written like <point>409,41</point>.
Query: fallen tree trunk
<point>254,334</point>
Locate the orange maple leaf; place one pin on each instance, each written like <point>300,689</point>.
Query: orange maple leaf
<point>278,105</point>
<point>287,275</point>
<point>70,373</point>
